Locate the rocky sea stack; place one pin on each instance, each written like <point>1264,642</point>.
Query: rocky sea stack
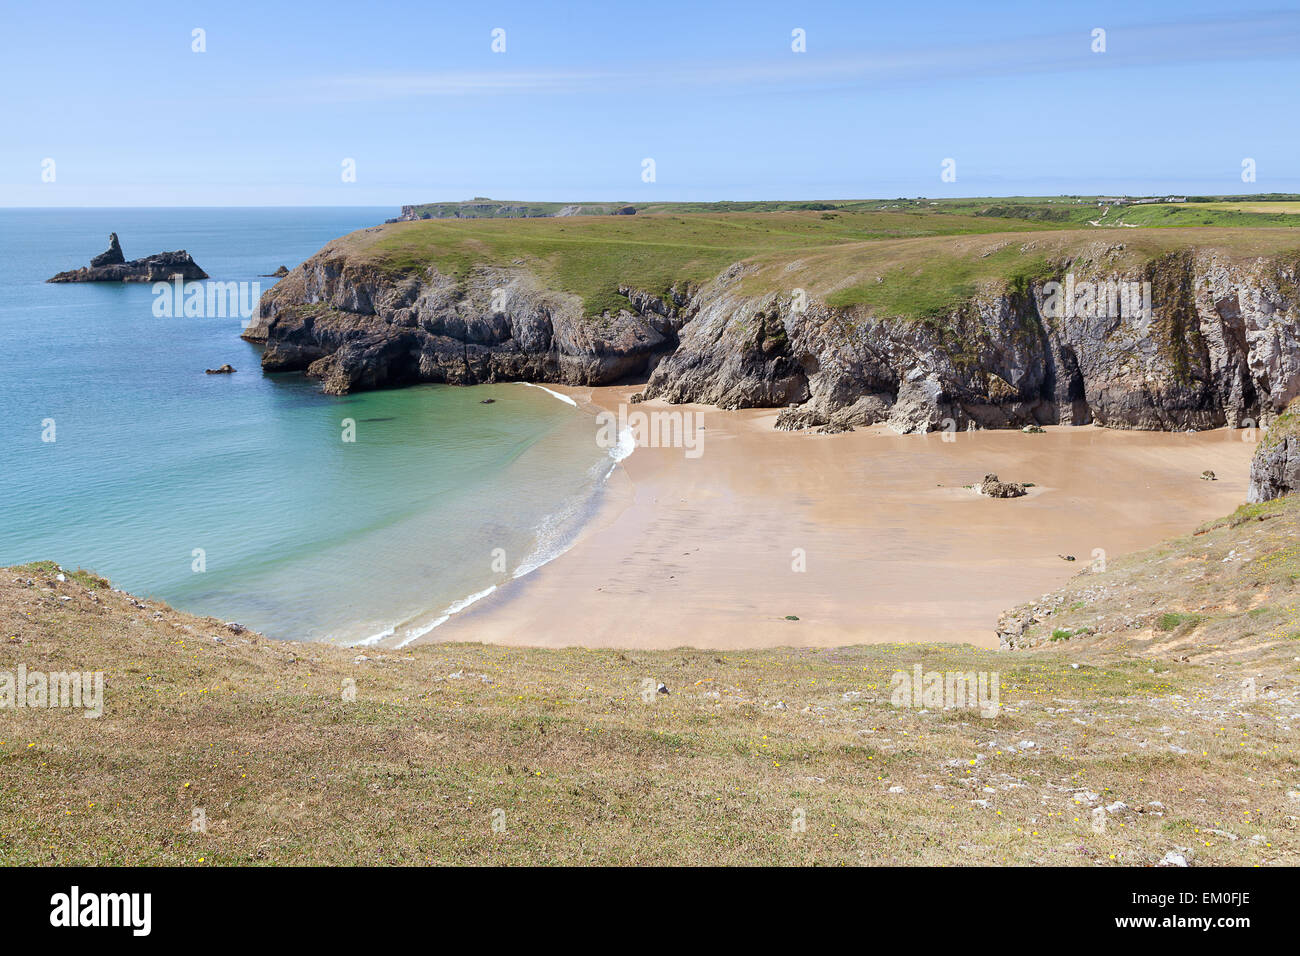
<point>112,266</point>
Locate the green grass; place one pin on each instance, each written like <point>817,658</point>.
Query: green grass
<point>1172,620</point>
<point>440,740</point>
<point>904,258</point>
<point>481,207</point>
<point>1286,425</point>
<point>932,287</point>
<point>1165,216</point>
<point>83,577</point>
<point>592,256</point>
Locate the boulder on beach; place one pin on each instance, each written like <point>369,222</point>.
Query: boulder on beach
<point>992,487</point>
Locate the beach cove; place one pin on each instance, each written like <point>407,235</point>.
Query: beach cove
<point>705,551</point>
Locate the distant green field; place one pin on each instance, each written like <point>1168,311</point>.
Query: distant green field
<point>591,255</point>
<point>904,257</point>
<point>1206,214</point>
<point>481,208</point>
<point>1290,208</point>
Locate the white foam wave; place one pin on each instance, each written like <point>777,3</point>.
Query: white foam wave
<point>626,445</point>
<point>373,638</point>
<point>555,536</point>
<point>563,398</point>
<point>454,607</point>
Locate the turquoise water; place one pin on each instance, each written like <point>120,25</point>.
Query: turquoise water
<point>302,534</point>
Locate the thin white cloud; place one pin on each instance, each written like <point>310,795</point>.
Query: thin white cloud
<point>1150,45</point>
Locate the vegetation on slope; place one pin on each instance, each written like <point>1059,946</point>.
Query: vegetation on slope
<point>910,261</point>
<point>1286,425</point>
<point>1144,727</point>
<point>1227,592</point>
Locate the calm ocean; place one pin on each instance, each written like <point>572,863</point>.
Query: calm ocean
<point>302,535</point>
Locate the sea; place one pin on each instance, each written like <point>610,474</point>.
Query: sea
<point>363,519</point>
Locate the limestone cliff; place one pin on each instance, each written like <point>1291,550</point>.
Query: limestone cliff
<point>1219,344</point>
<point>1220,347</point>
<point>1275,469</point>
<point>356,328</point>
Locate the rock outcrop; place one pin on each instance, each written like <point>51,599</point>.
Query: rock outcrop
<point>1275,469</point>
<point>992,487</point>
<point>112,266</point>
<point>113,256</point>
<point>355,328</point>
<point>1220,345</point>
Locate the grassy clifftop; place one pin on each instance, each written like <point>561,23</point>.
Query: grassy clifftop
<point>1116,747</point>
<point>904,258</point>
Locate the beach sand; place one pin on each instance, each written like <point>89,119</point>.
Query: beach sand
<point>703,551</point>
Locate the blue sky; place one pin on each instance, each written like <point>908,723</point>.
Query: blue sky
<point>414,94</point>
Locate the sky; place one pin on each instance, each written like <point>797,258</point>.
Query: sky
<point>114,105</point>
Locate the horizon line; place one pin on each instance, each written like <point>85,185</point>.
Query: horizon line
<point>434,202</point>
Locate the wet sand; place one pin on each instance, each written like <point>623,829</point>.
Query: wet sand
<point>702,552</point>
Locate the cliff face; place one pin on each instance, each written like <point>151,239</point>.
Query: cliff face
<point>1219,346</point>
<point>1275,469</point>
<point>356,328</point>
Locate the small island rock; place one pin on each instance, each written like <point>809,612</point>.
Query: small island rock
<point>112,266</point>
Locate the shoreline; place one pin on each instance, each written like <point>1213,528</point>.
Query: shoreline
<point>557,531</point>
<point>702,552</point>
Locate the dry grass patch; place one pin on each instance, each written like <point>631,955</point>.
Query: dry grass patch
<point>259,736</point>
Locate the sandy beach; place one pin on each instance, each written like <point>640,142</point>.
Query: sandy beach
<point>865,537</point>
